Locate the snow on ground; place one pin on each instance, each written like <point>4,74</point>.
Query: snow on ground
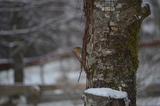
<point>6,77</point>
<point>58,103</point>
<point>66,71</point>
<point>107,92</point>
<point>49,73</point>
<point>63,103</point>
<point>63,71</point>
<point>148,101</point>
<point>149,68</point>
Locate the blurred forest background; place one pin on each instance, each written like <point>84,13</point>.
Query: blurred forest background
<point>37,66</point>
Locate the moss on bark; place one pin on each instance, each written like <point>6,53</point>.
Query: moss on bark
<point>113,56</point>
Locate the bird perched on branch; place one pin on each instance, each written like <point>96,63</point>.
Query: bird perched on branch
<point>78,51</point>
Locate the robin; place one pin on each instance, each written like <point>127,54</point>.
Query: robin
<point>78,51</point>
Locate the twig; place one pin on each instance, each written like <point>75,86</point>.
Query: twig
<point>77,57</point>
<point>80,62</point>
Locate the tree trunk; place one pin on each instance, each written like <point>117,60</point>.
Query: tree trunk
<point>18,66</point>
<point>110,44</point>
<point>17,51</point>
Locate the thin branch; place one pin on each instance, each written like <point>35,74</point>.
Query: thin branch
<point>38,27</point>
<point>77,57</point>
<point>80,62</point>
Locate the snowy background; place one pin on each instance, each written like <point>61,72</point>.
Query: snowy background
<point>67,33</point>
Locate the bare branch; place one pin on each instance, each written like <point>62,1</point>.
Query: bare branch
<point>56,20</point>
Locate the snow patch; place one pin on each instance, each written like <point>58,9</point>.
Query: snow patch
<point>107,92</point>
<point>149,28</point>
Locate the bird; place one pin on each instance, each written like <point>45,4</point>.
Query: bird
<point>78,51</point>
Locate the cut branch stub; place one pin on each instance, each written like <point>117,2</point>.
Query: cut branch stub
<point>94,100</point>
<point>105,97</point>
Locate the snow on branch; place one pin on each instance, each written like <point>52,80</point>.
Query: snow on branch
<point>34,1</point>
<point>107,92</point>
<point>105,97</point>
<point>57,19</point>
<point>29,5</point>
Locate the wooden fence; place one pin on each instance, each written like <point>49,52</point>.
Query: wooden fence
<point>42,93</point>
